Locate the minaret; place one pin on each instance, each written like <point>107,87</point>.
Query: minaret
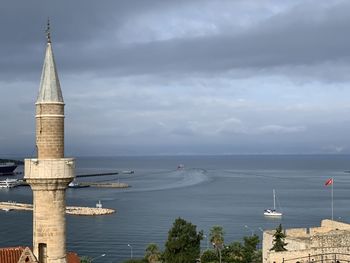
<point>49,174</point>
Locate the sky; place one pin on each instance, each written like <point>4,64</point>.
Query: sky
<point>158,77</point>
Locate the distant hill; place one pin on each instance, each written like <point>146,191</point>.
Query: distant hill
<point>18,162</point>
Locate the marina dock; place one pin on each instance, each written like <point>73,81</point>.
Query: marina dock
<point>71,210</point>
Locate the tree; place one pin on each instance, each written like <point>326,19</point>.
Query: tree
<point>217,239</point>
<point>233,253</point>
<point>85,259</point>
<point>236,252</point>
<point>209,256</point>
<point>278,241</point>
<point>152,254</point>
<point>183,244</point>
<point>135,261</point>
<point>257,256</point>
<point>249,248</point>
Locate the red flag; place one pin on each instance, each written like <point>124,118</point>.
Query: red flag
<point>329,182</point>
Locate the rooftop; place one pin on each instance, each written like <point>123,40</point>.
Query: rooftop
<point>14,254</point>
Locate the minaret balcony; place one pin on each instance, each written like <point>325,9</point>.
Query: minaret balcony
<point>49,168</point>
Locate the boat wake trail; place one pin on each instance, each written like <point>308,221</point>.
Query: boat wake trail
<point>171,180</point>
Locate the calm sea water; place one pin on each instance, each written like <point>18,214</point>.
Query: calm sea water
<point>231,191</point>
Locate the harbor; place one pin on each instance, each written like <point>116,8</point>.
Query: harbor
<point>11,183</point>
<point>7,169</point>
<point>70,210</point>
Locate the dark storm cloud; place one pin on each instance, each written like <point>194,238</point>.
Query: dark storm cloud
<point>84,36</point>
<point>280,41</point>
<point>74,24</point>
<point>204,76</point>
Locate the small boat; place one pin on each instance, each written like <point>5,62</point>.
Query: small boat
<point>9,183</point>
<point>99,204</point>
<point>273,212</point>
<point>128,172</point>
<point>6,209</point>
<point>74,184</point>
<point>180,167</point>
<point>7,168</point>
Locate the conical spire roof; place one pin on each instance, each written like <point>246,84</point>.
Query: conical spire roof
<point>50,89</point>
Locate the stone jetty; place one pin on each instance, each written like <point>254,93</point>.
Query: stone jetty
<point>104,184</point>
<point>93,184</point>
<point>71,210</point>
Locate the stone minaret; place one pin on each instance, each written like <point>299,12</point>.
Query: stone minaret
<point>49,174</point>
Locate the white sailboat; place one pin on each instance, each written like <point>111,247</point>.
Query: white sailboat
<point>273,212</point>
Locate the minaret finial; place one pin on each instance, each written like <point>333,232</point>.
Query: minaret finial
<point>47,31</point>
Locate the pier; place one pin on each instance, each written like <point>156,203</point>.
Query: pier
<point>91,184</point>
<point>104,184</point>
<point>96,174</point>
<point>71,210</point>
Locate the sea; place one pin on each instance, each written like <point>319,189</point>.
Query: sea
<point>231,191</point>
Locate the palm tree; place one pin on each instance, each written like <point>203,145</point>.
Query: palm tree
<point>217,238</point>
<point>152,253</point>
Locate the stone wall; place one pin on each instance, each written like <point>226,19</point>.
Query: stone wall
<point>267,244</point>
<point>297,232</point>
<point>329,241</point>
<point>312,254</point>
<point>335,224</point>
<point>299,240</point>
<point>49,168</point>
<point>50,130</point>
<point>49,224</point>
<point>333,239</point>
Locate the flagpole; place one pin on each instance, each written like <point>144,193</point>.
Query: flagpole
<point>332,196</point>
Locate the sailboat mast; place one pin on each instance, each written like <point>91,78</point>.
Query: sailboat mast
<point>274,200</point>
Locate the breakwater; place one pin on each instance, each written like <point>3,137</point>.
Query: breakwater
<point>71,210</point>
<point>104,184</point>
<point>90,184</point>
<point>96,174</point>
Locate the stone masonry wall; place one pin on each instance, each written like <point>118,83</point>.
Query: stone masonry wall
<point>49,169</point>
<point>328,242</point>
<point>293,242</point>
<point>50,108</point>
<point>297,232</point>
<point>50,131</point>
<point>333,239</point>
<point>312,254</point>
<point>335,224</point>
<point>49,224</point>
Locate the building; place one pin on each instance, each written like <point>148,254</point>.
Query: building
<point>25,255</point>
<point>328,243</point>
<point>50,173</point>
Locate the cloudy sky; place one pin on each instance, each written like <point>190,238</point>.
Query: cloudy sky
<point>181,76</point>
